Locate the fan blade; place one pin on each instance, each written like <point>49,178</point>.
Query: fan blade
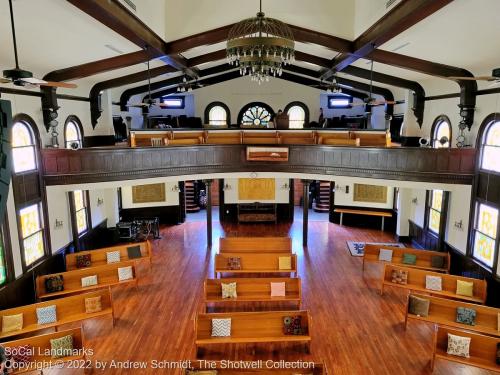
<point>41,82</point>
<point>5,80</point>
<point>137,105</point>
<point>481,78</point>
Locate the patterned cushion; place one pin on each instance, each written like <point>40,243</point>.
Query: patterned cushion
<point>458,345</point>
<point>125,273</point>
<point>465,288</point>
<point>61,347</point>
<point>437,261</point>
<point>134,252</point>
<point>83,261</point>
<point>385,255</point>
<point>278,289</point>
<point>54,284</point>
<point>113,257</point>
<point>11,323</point>
<point>93,305</point>
<point>433,283</point>
<point>234,263</point>
<point>221,327</point>
<point>409,259</point>
<point>46,315</point>
<point>292,325</point>
<point>21,354</point>
<point>285,263</point>
<point>418,306</point>
<point>399,277</point>
<point>229,290</point>
<point>89,281</point>
<point>466,316</point>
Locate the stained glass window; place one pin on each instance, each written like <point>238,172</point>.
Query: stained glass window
<point>491,148</point>
<point>32,233</point>
<point>443,129</point>
<point>485,235</point>
<point>80,210</point>
<point>72,134</point>
<point>435,208</point>
<point>256,116</point>
<point>217,116</point>
<point>23,148</point>
<point>297,117</point>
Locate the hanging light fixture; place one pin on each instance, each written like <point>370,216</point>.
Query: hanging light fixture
<point>260,46</point>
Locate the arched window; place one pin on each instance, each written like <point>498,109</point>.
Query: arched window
<point>255,114</point>
<point>298,115</point>
<point>23,147</point>
<point>217,114</point>
<point>441,132</point>
<point>490,154</point>
<point>73,133</point>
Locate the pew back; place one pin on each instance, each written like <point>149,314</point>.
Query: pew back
<point>255,244</point>
<point>255,263</point>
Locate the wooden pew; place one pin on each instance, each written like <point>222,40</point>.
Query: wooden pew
<point>184,141</point>
<point>252,328</point>
<point>443,311</point>
<point>254,263</point>
<point>255,245</point>
<point>317,369</point>
<point>98,256</point>
<point>297,138</point>
<point>416,282</point>
<point>373,139</point>
<point>371,254</point>
<point>107,276</point>
<point>145,139</point>
<point>224,138</point>
<point>68,310</point>
<point>42,359</point>
<point>482,349</point>
<point>382,214</point>
<point>252,290</point>
<point>177,135</point>
<point>266,137</point>
<point>340,142</point>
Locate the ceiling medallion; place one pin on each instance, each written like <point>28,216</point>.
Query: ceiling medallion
<point>260,46</point>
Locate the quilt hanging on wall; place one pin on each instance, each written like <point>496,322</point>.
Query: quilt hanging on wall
<point>256,189</point>
<point>148,193</point>
<point>370,193</point>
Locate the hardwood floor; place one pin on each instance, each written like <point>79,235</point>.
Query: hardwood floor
<point>354,329</point>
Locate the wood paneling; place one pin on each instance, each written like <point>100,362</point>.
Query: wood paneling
<point>422,237</point>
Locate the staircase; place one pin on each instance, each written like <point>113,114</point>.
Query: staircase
<point>191,204</point>
<point>322,204</point>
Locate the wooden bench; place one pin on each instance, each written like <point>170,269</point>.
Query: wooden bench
<point>145,139</point>
<point>107,276</point>
<point>68,310</point>
<point>252,290</point>
<point>373,139</point>
<point>252,328</point>
<point>266,137</point>
<point>381,214</point>
<point>98,256</point>
<point>255,245</point>
<point>224,138</point>
<point>184,141</point>
<point>339,142</point>
<point>424,257</point>
<point>443,311</point>
<point>42,358</point>
<point>317,369</point>
<point>187,135</point>
<point>254,263</point>
<point>297,138</point>
<point>482,351</point>
<point>416,282</point>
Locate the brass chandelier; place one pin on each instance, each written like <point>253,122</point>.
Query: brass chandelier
<point>260,46</point>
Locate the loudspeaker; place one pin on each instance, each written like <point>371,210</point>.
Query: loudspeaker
<point>5,153</point>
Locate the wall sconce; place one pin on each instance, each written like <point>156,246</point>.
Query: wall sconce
<point>459,224</point>
<point>58,223</point>
<point>227,187</point>
<point>414,200</point>
<point>175,188</point>
<point>100,201</point>
<point>285,186</point>
<point>341,188</point>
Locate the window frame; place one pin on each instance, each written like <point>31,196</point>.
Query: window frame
<point>246,107</point>
<point>26,121</point>
<point>487,123</point>
<point>496,249</point>
<point>40,230</point>
<point>304,107</point>
<point>443,217</point>
<point>217,104</point>
<point>73,212</point>
<point>438,121</point>
<point>339,96</point>
<point>79,127</point>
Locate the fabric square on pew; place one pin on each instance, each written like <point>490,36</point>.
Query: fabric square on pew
<point>89,281</point>
<point>125,273</point>
<point>93,305</point>
<point>11,323</point>
<point>83,261</point>
<point>458,345</point>
<point>21,354</point>
<point>465,288</point>
<point>410,259</point>
<point>46,315</point>
<point>134,252</point>
<point>61,347</point>
<point>433,283</point>
<point>466,316</point>
<point>418,306</point>
<point>229,290</point>
<point>54,284</point>
<point>278,289</point>
<point>385,255</point>
<point>221,327</point>
<point>234,263</point>
<point>292,325</point>
<point>437,261</point>
<point>285,263</point>
<point>399,277</point>
<point>112,257</point>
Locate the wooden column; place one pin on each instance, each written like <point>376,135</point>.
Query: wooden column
<point>208,184</point>
<point>305,218</point>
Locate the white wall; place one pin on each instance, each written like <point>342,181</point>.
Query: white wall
<point>231,195</point>
<point>346,199</point>
<point>171,197</point>
<point>58,209</point>
<point>14,236</point>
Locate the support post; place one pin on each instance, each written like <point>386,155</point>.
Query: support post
<point>305,218</point>
<point>208,184</point>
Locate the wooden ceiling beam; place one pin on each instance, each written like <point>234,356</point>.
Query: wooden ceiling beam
<point>197,40</point>
<point>207,57</point>
<point>304,35</point>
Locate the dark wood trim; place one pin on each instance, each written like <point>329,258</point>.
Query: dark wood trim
<point>7,251</point>
<point>8,90</point>
<point>75,120</point>
<point>72,209</point>
<point>444,96</point>
<point>301,34</point>
<point>438,120</point>
<point>207,57</point>
<point>443,218</point>
<point>214,104</point>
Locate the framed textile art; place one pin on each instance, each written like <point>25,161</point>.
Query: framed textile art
<point>148,193</point>
<point>370,193</point>
<point>256,189</point>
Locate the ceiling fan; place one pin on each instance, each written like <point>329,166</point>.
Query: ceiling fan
<point>495,77</point>
<point>148,101</point>
<point>20,77</point>
<point>332,87</point>
<point>370,100</point>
